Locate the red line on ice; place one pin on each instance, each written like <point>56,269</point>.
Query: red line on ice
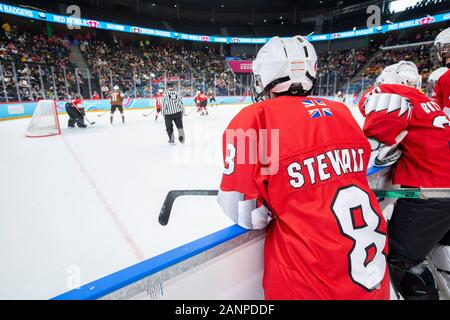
<point>108,208</point>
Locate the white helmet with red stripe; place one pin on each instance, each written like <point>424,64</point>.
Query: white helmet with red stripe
<point>285,65</point>
<point>442,46</point>
<point>403,72</point>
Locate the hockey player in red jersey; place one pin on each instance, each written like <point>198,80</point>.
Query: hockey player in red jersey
<point>407,128</point>
<point>297,165</point>
<point>158,97</point>
<point>441,92</point>
<point>196,101</point>
<point>201,100</point>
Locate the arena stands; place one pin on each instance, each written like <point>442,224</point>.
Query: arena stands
<point>35,66</point>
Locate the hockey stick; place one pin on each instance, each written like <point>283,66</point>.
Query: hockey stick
<point>419,193</point>
<point>414,193</point>
<point>193,109</point>
<point>87,120</point>
<point>101,115</point>
<point>146,115</point>
<point>166,208</point>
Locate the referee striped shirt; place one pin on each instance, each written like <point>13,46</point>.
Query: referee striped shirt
<point>171,103</point>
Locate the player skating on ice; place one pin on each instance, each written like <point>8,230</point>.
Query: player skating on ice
<point>212,98</point>
<point>196,101</point>
<point>172,109</point>
<point>441,92</point>
<point>202,101</point>
<point>76,112</point>
<point>158,98</point>
<point>406,128</point>
<point>297,165</point>
<point>116,101</point>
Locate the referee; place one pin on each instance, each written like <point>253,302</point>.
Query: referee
<point>172,109</point>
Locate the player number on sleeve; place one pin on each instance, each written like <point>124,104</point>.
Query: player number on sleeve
<point>229,159</point>
<point>358,221</point>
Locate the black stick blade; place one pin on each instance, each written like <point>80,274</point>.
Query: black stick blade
<point>172,195</point>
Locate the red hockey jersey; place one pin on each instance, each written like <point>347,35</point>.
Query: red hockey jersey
<point>441,92</point>
<point>77,103</point>
<point>392,108</point>
<point>158,98</point>
<point>200,98</point>
<point>300,163</point>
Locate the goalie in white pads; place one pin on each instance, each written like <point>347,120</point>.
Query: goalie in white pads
<point>410,131</point>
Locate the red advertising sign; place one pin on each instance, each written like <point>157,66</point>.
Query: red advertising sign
<point>241,66</point>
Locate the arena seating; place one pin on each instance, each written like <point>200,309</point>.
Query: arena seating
<point>35,66</point>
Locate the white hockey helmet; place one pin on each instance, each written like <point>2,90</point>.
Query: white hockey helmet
<point>116,88</point>
<point>198,92</point>
<point>436,74</point>
<point>282,65</point>
<point>403,72</point>
<point>441,49</point>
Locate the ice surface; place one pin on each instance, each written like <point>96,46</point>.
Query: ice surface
<point>82,205</point>
<point>87,202</point>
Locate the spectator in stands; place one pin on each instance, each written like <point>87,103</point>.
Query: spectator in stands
<point>7,29</point>
<point>130,66</point>
<point>95,95</point>
<point>105,91</point>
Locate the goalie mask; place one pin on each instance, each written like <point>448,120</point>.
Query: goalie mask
<point>441,48</point>
<point>284,65</point>
<point>404,73</point>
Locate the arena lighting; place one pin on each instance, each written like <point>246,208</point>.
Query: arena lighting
<point>87,23</point>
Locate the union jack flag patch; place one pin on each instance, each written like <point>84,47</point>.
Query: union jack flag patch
<point>315,109</point>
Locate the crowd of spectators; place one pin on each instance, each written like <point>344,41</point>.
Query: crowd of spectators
<point>420,55</point>
<point>140,71</point>
<point>34,66</point>
<point>37,66</point>
<point>346,62</point>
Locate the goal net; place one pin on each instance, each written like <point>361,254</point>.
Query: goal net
<point>44,121</point>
